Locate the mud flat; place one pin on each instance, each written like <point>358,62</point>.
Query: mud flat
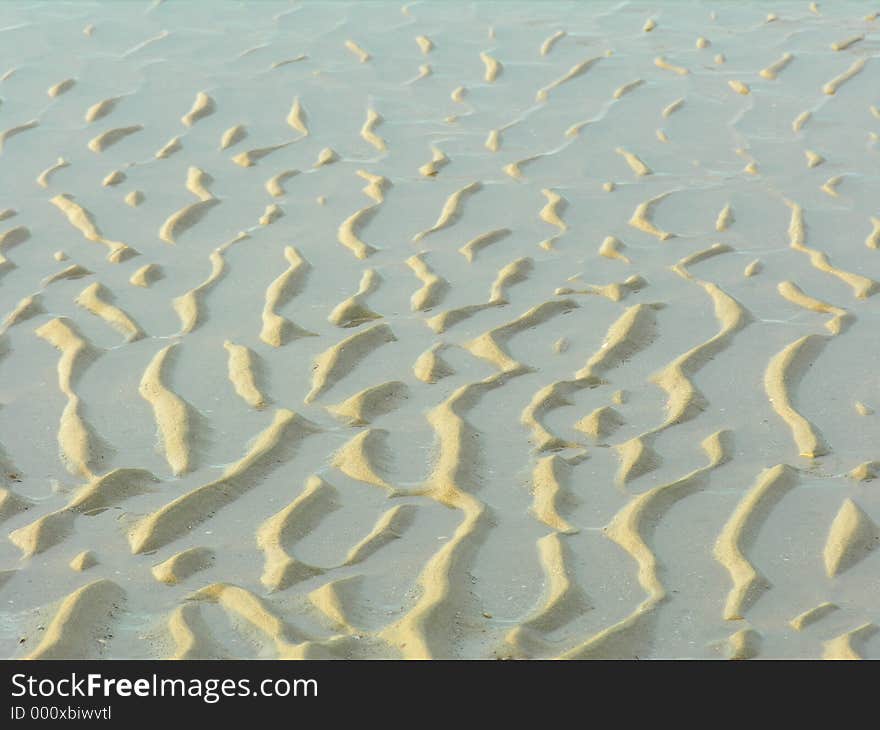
<point>372,330</point>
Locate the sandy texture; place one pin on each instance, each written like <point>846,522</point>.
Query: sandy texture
<point>439,330</point>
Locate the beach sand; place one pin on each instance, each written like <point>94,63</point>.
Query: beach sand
<point>444,330</point>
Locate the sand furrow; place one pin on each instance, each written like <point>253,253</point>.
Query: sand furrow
<point>334,599</point>
<point>852,535</point>
<point>8,239</point>
<point>548,44</point>
<point>43,179</point>
<point>347,233</point>
<point>672,108</point>
<point>630,529</point>
<point>96,299</point>
<point>78,626</point>
<point>439,323</point>
<point>101,109</point>
<point>274,185</point>
<point>783,372</point>
<point>684,400</point>
<point>84,222</point>
<point>90,499</point>
<point>112,136</point>
<point>285,527</point>
<point>202,106</point>
<point>340,359</point>
<point>68,273</point>
<point>362,55</point>
<point>793,293</point>
<point>513,273</point>
<point>738,532</point>
<point>277,330</point>
<point>182,565</point>
<point>271,214</point>
<point>772,71</point>
<point>13,131</point>
<point>846,646</point>
<point>297,118</point>
<point>451,210</point>
<point>169,148</point>
<point>548,398</point>
<point>26,308</point>
<point>241,374</point>
<point>433,286</point>
<point>370,403</point>
<point>548,491</point>
<point>254,611</point>
<point>389,527</point>
<point>493,67</point>
<point>252,156</point>
<point>873,239</point>
<point>641,218</point>
<point>634,330</point>
<point>862,286</point>
<point>832,86</point>
<point>191,635</point>
<point>196,182</point>
<point>423,632</point>
<point>478,243</point>
<point>830,185</point>
<point>572,73</point>
<point>622,91</point>
<point>635,162</point>
<point>368,133</point>
<point>430,367</point>
<point>186,306</point>
<point>352,311</point>
<point>438,161</point>
<point>171,413</point>
<point>360,458</point>
<point>615,291</point>
<point>550,212</point>
<point>662,62</point>
<point>75,439</point>
<point>563,598</point>
<point>491,345</point>
<point>194,507</point>
<point>375,187</point>
<point>812,615</point>
<point>233,136</point>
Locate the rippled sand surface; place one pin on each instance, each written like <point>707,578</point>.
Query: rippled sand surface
<point>446,330</point>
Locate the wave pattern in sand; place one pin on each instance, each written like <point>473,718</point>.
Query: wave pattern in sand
<point>360,330</point>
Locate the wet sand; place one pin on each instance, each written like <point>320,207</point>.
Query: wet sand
<point>492,330</point>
